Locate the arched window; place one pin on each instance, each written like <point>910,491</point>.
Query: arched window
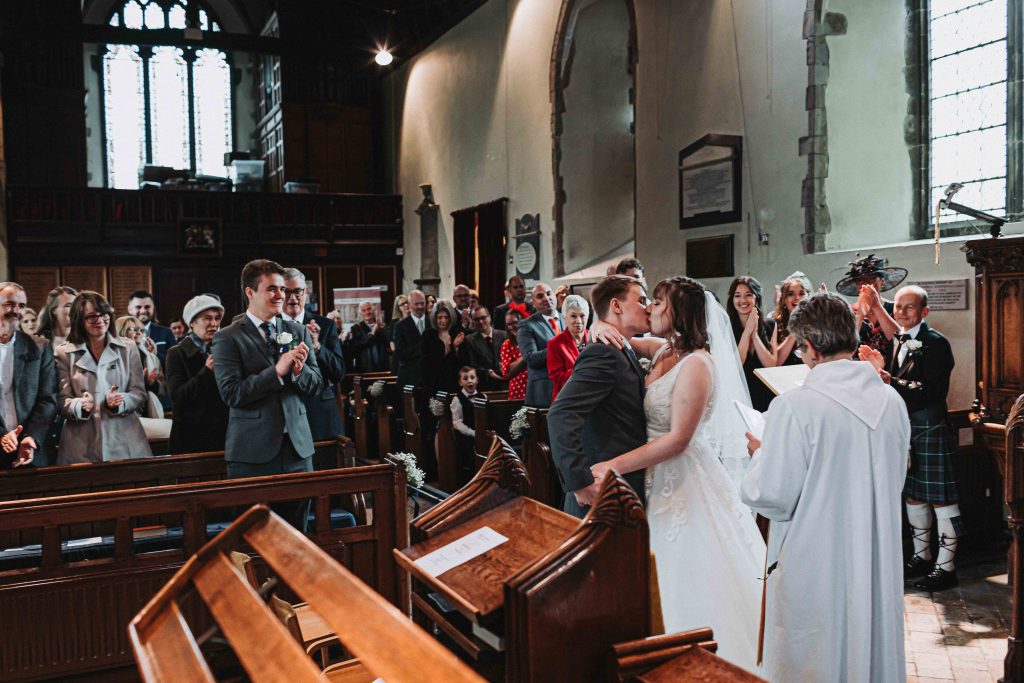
<point>163,105</point>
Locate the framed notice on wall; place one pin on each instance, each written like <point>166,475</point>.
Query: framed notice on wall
<point>710,187</point>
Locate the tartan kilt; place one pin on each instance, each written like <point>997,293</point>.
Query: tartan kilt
<point>931,477</point>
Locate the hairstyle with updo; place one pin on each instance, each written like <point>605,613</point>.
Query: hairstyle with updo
<point>827,322</point>
<point>781,314</point>
<point>687,311</point>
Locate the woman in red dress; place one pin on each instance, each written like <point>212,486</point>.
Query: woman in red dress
<point>513,365</point>
<point>564,348</point>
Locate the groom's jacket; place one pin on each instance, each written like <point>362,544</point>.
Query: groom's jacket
<point>598,414</point>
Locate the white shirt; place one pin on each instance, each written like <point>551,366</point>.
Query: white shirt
<point>7,410</point>
<point>912,333</point>
<point>285,316</point>
<point>458,418</point>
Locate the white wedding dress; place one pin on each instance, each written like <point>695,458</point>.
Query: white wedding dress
<point>709,552</point>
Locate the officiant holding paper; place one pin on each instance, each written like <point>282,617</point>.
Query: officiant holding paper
<point>829,475</point>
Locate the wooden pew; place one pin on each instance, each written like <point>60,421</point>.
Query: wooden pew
<point>49,482</point>
<point>444,446</point>
<point>508,610</point>
<point>73,614</point>
<point>389,418</point>
<point>414,431</point>
<point>364,429</point>
<point>545,485</point>
<point>166,648</point>
<point>686,656</point>
<point>492,417</point>
<point>1007,444</point>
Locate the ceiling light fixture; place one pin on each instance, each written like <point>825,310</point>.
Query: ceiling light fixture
<point>384,57</point>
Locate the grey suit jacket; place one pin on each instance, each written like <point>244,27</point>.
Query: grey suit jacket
<point>260,404</point>
<point>35,392</point>
<point>533,335</point>
<point>598,415</point>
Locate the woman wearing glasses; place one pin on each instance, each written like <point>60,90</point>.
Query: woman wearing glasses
<point>102,385</point>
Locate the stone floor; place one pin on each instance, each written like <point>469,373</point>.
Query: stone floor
<point>959,634</point>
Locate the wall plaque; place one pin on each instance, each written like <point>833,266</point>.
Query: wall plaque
<point>527,256</point>
<point>710,190</point>
<point>946,295</point>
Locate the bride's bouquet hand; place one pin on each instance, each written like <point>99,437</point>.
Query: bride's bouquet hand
<point>603,333</point>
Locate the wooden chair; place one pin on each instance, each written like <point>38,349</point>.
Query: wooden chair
<point>508,610</point>
<point>166,649</point>
<point>686,656</point>
<point>545,485</point>
<point>444,446</point>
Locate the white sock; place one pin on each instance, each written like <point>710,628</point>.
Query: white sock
<point>947,519</point>
<point>920,516</point>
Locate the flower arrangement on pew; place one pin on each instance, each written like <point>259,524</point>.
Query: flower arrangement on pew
<point>436,407</point>
<point>377,389</point>
<point>519,426</point>
<point>413,473</point>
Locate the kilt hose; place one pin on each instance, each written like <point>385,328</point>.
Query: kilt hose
<point>931,477</point>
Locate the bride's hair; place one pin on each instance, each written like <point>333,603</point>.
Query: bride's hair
<point>688,312</point>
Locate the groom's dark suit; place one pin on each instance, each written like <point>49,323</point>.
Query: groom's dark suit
<point>598,414</point>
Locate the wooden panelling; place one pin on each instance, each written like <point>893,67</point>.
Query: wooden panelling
<point>127,279</point>
<point>86,277</point>
<point>37,281</point>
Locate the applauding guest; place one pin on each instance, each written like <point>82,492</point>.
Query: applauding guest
<point>793,290</point>
<point>200,415</point>
<point>28,385</point>
<point>55,318</point>
<point>366,345</point>
<point>867,278</point>
<point>564,348</point>
<point>753,336</point>
<point>513,365</point>
<point>516,287</point>
<point>408,340</point>
<point>102,386</point>
<point>264,369</point>
<point>440,350</point>
<point>140,305</point>
<point>534,333</point>
<point>482,351</point>
<point>131,328</point>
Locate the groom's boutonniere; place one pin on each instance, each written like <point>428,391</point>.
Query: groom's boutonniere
<point>285,342</point>
<point>645,364</point>
<point>913,346</point>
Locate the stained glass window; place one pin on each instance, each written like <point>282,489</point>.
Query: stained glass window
<point>968,52</point>
<point>164,105</point>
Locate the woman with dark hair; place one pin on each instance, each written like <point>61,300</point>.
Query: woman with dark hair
<point>54,319</point>
<point>793,290</point>
<point>692,503</point>
<point>753,336</point>
<point>101,387</point>
<point>513,365</point>
<point>440,350</point>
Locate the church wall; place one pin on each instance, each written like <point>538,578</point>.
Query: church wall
<point>472,116</point>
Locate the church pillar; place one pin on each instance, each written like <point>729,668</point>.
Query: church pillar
<point>430,267</point>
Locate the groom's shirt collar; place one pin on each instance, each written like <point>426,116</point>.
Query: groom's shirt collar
<point>258,323</point>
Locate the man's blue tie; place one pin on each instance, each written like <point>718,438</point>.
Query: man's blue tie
<point>268,333</point>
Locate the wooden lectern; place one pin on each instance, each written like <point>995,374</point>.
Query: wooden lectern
<point>548,603</point>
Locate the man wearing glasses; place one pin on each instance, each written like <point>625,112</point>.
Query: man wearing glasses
<point>482,351</point>
<point>322,409</point>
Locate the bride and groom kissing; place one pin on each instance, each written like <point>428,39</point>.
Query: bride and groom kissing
<point>673,434</point>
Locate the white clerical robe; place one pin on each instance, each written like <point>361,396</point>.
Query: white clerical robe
<point>829,476</point>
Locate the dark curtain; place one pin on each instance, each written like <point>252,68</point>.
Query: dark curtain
<point>482,229</point>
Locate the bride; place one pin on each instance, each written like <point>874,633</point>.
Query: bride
<point>709,553</point>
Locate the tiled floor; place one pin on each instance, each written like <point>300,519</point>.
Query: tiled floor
<point>959,634</point>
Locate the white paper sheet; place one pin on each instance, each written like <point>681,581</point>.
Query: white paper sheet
<point>752,418</point>
<point>783,378</point>
<point>461,551</point>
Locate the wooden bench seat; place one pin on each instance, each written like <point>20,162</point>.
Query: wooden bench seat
<point>73,613</point>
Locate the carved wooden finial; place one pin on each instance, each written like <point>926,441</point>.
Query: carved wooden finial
<point>617,504</point>
<point>504,468</point>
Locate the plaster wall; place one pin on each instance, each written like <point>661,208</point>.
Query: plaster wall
<point>472,115</point>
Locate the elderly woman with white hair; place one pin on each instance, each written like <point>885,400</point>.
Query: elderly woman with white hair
<point>564,348</point>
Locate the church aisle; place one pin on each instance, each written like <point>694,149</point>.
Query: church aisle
<point>959,634</point>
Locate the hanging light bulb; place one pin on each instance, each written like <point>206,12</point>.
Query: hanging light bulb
<point>384,57</point>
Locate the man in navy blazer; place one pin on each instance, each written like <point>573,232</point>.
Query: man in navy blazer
<point>264,369</point>
<point>140,305</point>
<point>29,403</point>
<point>533,336</point>
<point>322,409</point>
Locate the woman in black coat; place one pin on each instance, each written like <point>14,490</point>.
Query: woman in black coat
<point>200,417</point>
<point>440,351</point>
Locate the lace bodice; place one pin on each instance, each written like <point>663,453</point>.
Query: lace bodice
<point>658,399</point>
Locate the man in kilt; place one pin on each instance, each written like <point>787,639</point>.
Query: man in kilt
<point>921,364</point>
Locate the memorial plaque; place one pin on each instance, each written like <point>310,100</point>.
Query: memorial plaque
<point>946,295</point>
<point>37,281</point>
<point>127,279</point>
<point>710,188</point>
<point>86,277</point>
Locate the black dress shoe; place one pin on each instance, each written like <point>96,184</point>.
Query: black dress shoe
<point>916,567</point>
<point>938,580</point>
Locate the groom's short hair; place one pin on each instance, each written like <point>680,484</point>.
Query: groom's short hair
<point>612,287</point>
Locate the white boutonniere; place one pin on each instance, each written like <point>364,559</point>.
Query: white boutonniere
<point>913,345</point>
<point>285,341</point>
<point>645,364</point>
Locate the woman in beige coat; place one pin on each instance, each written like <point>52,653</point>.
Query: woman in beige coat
<point>101,387</point>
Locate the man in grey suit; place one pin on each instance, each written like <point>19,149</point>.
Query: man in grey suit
<point>264,369</point>
<point>28,385</point>
<point>599,413</point>
<point>534,334</point>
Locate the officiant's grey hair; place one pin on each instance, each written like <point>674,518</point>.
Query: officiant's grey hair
<point>827,322</point>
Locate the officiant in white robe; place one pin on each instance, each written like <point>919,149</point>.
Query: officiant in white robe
<point>829,475</point>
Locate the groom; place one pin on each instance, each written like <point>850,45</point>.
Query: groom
<point>599,413</point>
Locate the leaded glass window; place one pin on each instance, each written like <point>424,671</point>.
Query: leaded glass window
<point>165,105</point>
<point>968,74</point>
